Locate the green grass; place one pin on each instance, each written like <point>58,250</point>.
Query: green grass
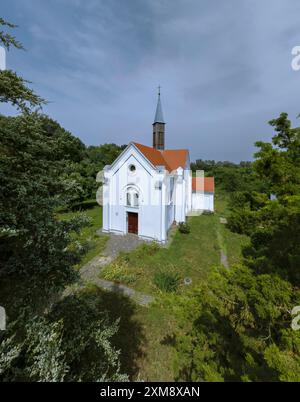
<point>189,255</point>
<point>88,234</point>
<point>157,361</point>
<point>143,337</point>
<point>231,243</point>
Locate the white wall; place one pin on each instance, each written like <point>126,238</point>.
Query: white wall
<point>202,201</point>
<point>180,196</point>
<point>152,217</point>
<point>157,209</point>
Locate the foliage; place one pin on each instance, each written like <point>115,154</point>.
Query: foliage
<point>33,242</point>
<point>50,340</point>
<point>149,249</point>
<point>81,174</point>
<point>71,343</point>
<point>88,239</point>
<point>166,280</point>
<point>6,39</point>
<point>286,358</point>
<point>13,89</point>
<point>118,273</point>
<point>184,227</point>
<point>228,324</point>
<point>273,225</point>
<point>231,177</point>
<point>279,162</point>
<point>237,325</point>
<point>207,212</point>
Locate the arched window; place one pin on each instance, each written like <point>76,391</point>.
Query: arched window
<point>132,197</point>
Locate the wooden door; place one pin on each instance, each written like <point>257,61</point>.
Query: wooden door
<point>133,222</point>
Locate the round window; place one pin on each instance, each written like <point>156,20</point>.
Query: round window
<point>132,168</point>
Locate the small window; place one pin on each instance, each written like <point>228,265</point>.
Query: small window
<point>132,197</point>
<point>132,168</point>
<point>128,199</point>
<point>135,199</point>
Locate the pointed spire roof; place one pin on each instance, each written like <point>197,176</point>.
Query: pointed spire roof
<point>158,114</point>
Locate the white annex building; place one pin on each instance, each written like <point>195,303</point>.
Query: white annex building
<point>147,189</point>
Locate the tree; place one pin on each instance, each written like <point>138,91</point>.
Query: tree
<point>274,225</point>
<point>36,253</point>
<point>70,343</point>
<point>237,326</point>
<point>231,325</point>
<point>278,162</point>
<point>13,89</point>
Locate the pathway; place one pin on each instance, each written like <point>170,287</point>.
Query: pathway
<point>115,244</point>
<point>223,255</point>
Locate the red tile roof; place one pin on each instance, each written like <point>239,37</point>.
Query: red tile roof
<point>207,185</point>
<point>176,158</point>
<point>170,158</point>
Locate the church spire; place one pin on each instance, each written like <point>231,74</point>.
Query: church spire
<point>159,126</point>
<point>158,114</point>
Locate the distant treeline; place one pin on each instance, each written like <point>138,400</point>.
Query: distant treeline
<point>82,163</point>
<point>231,176</point>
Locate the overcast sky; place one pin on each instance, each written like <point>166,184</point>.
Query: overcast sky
<point>224,68</point>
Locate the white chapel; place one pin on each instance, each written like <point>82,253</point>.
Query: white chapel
<point>147,189</point>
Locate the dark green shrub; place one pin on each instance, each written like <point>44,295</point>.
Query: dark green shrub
<point>166,281</point>
<point>207,212</point>
<point>184,227</point>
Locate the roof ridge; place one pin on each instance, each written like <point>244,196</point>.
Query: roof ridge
<point>165,157</point>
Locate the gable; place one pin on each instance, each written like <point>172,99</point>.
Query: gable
<point>131,151</point>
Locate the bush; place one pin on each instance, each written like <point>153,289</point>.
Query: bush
<point>207,212</point>
<point>184,227</point>
<point>118,273</point>
<point>146,249</point>
<point>166,281</point>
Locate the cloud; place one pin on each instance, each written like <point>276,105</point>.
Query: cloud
<point>224,68</point>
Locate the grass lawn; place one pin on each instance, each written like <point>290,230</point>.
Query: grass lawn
<point>88,234</point>
<point>231,243</point>
<point>189,255</point>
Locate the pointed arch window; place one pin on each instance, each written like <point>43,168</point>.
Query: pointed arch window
<point>132,197</point>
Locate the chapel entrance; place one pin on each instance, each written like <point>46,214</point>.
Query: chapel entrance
<point>133,222</point>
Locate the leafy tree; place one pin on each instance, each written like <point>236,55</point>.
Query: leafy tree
<point>237,326</point>
<point>32,241</point>
<point>273,225</point>
<point>6,39</point>
<point>36,253</point>
<point>84,172</point>
<point>279,162</point>
<point>13,89</point>
<point>76,346</point>
<point>230,326</point>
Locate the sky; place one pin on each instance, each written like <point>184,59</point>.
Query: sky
<point>224,68</point>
